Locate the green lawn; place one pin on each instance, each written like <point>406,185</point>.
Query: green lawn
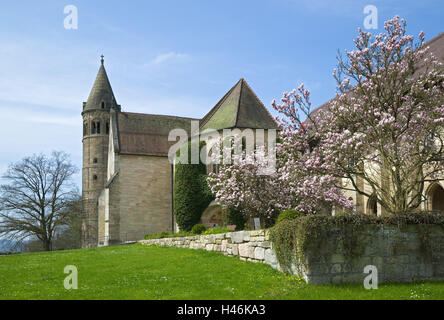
<point>141,272</point>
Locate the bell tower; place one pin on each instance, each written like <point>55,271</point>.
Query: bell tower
<point>96,119</point>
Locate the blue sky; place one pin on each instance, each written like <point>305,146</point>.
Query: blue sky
<point>169,57</point>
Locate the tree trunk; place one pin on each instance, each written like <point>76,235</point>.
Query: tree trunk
<point>47,245</point>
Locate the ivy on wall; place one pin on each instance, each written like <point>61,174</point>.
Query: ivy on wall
<point>191,192</point>
<point>293,239</point>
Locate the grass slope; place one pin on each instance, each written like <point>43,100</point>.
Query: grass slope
<point>141,272</point>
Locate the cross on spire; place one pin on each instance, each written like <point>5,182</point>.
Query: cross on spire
<point>101,59</point>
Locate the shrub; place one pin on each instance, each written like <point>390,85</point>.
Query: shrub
<point>158,235</point>
<point>198,229</point>
<point>216,230</point>
<point>235,217</point>
<point>164,234</point>
<point>191,192</point>
<point>288,215</point>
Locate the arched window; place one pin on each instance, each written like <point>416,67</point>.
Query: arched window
<point>435,197</point>
<point>103,105</point>
<point>96,127</point>
<point>372,205</point>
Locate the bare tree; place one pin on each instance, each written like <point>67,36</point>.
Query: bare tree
<point>34,202</point>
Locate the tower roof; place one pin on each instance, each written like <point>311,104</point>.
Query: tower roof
<point>239,108</point>
<point>101,95</point>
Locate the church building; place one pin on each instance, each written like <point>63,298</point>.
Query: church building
<point>127,178</point>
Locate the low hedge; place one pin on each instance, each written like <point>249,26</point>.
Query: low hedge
<point>288,215</point>
<point>161,235</point>
<point>198,229</point>
<point>291,238</point>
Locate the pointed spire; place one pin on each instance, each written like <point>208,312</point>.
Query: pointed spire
<point>101,95</point>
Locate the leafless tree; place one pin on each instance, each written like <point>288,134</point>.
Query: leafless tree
<point>34,201</point>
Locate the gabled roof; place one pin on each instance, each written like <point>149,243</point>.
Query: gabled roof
<point>239,108</point>
<point>101,92</point>
<point>147,134</point>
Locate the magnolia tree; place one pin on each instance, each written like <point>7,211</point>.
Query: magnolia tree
<point>383,130</point>
<point>249,185</point>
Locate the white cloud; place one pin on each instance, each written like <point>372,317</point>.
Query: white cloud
<point>167,57</point>
<point>65,121</point>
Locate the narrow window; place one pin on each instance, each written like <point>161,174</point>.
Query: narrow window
<point>103,105</point>
<point>95,160</point>
<point>107,128</point>
<point>98,127</point>
<point>85,129</point>
<point>95,177</point>
<point>94,128</point>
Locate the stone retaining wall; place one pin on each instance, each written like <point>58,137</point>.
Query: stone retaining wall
<point>400,255</point>
<point>247,245</point>
<point>406,254</point>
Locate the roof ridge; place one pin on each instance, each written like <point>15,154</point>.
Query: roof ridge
<point>239,101</point>
<point>158,115</point>
<point>435,38</point>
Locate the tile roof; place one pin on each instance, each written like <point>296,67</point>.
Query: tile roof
<point>101,92</point>
<point>241,108</point>
<point>147,134</point>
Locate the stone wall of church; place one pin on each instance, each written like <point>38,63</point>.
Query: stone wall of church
<point>114,197</point>
<point>146,202</point>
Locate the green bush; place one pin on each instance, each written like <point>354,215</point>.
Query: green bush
<point>288,215</point>
<point>235,217</point>
<point>164,234</point>
<point>191,192</point>
<point>198,229</point>
<point>158,235</point>
<point>216,230</point>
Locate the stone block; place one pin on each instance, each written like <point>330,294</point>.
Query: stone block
<point>239,237</point>
<point>264,244</point>
<point>337,258</point>
<point>259,253</point>
<point>235,249</point>
<point>270,257</point>
<point>245,250</point>
<point>336,268</point>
